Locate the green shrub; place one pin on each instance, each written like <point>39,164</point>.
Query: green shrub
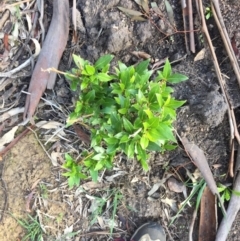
<point>125,111</point>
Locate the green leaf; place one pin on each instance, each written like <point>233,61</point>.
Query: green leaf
<point>154,90</point>
<point>154,135</point>
<point>160,99</point>
<point>78,61</point>
<point>88,70</point>
<point>111,140</point>
<point>104,77</point>
<point>166,132</point>
<point>142,155</point>
<point>124,139</point>
<point>144,164</point>
<point>176,78</point>
<point>99,165</point>
<point>128,126</point>
<point>149,113</point>
<point>68,158</point>
<point>144,142</point>
<point>94,175</point>
<point>159,76</point>
<point>174,104</point>
<point>98,156</point>
<point>153,122</point>
<point>123,111</point>
<point>130,149</point>
<point>116,122</point>
<point>90,96</point>
<point>112,148</point>
<point>227,194</point>
<point>167,70</point>
<point>152,146</point>
<point>142,67</point>
<point>103,61</point>
<point>78,106</point>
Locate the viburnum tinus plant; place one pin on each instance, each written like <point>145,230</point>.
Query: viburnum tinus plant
<point>126,111</point>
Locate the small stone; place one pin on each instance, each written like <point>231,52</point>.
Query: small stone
<point>175,186</point>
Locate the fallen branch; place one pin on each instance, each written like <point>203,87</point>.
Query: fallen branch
<point>50,56</point>
<point>13,143</point>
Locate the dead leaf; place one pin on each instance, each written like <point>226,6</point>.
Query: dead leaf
<point>141,54</point>
<point>49,125</point>
<point>170,12</point>
<point>93,185</point>
<point>8,137</point>
<point>83,136</point>
<point>37,47</point>
<point>35,184</point>
<point>200,161</point>
<point>54,158</point>
<point>171,203</point>
<point>208,218</point>
<point>112,177</point>
<point>5,15</point>
<point>175,186</point>
<point>12,112</point>
<point>68,230</point>
<point>134,15</point>
<point>143,4</point>
<point>156,9</point>
<point>234,46</point>
<point>200,55</point>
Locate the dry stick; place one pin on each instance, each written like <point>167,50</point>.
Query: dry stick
<point>191,33</point>
<point>185,14</point>
<point>222,29</point>
<point>16,140</point>
<point>231,116</point>
<point>233,208</point>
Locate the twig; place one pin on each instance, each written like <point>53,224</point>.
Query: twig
<point>192,224</point>
<point>13,71</point>
<point>232,210</point>
<point>232,120</point>
<point>15,140</point>
<point>191,33</point>
<point>5,191</point>
<point>222,29</point>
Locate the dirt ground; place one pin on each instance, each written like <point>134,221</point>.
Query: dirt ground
<point>31,173</point>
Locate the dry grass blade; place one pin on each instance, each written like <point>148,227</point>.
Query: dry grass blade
<point>200,161</point>
<point>208,219</point>
<point>169,12</point>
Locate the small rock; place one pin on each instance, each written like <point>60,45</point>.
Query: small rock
<point>175,185</point>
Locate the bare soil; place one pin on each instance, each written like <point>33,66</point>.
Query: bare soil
<point>33,184</point>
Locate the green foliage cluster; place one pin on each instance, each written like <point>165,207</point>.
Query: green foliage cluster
<point>125,111</point>
<point>33,228</point>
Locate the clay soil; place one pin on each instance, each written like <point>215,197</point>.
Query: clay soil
<point>32,183</point>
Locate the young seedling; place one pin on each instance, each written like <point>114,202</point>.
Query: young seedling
<point>208,13</point>
<point>126,111</point>
<point>33,228</point>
